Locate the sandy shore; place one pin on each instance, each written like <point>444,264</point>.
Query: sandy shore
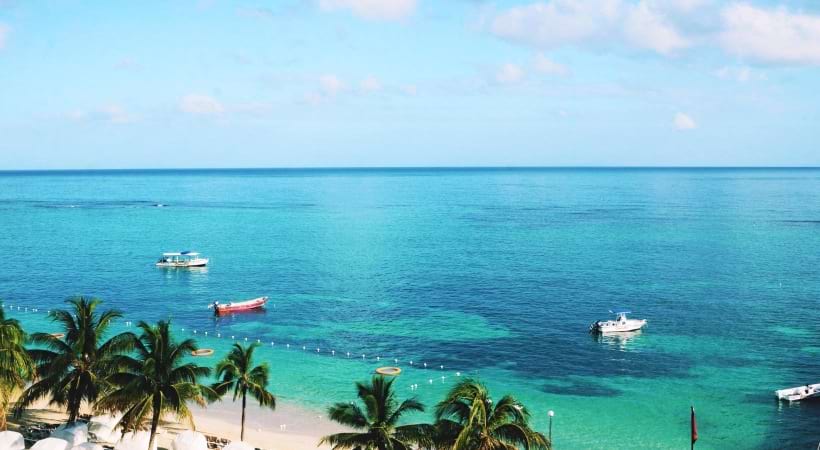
<point>289,427</point>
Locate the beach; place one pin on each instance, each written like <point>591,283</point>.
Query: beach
<point>303,429</point>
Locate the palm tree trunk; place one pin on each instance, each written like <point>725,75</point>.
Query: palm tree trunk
<point>154,421</point>
<point>242,432</point>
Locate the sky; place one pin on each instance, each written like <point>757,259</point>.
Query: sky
<point>344,83</point>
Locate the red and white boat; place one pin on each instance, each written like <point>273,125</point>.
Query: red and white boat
<point>232,307</point>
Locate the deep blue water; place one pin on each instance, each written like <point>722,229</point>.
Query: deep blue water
<point>489,272</point>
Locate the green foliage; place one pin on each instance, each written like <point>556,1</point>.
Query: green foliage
<point>156,380</point>
<point>73,369</point>
<point>468,419</point>
<point>238,374</point>
<point>378,420</point>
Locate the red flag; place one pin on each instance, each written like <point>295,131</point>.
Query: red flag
<point>694,427</point>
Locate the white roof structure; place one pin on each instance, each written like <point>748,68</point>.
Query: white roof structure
<point>12,440</point>
<point>135,441</point>
<point>104,428</point>
<point>238,445</point>
<point>52,444</point>
<point>186,253</point>
<point>190,440</point>
<point>75,433</point>
<point>88,446</point>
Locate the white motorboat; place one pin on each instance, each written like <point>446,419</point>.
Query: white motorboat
<point>799,393</point>
<point>182,259</point>
<point>620,325</point>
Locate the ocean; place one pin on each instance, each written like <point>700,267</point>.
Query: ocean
<point>489,273</point>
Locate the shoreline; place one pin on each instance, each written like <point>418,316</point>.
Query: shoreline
<point>288,427</point>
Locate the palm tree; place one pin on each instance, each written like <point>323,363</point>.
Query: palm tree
<point>16,368</point>
<point>467,419</point>
<point>236,372</point>
<point>73,369</point>
<point>156,380</point>
<point>378,421</point>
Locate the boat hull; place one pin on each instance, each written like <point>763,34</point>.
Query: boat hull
<point>807,392</point>
<point>610,326</point>
<point>200,262</point>
<point>246,306</point>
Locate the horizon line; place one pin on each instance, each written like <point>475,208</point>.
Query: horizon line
<point>375,168</point>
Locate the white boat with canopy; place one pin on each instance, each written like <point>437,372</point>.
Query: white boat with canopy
<point>799,393</point>
<point>182,259</point>
<point>621,324</point>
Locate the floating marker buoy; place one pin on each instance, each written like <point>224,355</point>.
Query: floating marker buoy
<point>389,371</point>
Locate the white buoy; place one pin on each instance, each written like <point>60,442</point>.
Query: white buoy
<point>378,358</point>
<point>258,341</point>
<point>442,367</point>
<point>458,374</point>
<point>333,352</point>
<point>425,365</point>
<point>431,381</point>
<point>362,356</point>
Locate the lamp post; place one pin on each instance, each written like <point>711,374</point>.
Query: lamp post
<point>551,413</point>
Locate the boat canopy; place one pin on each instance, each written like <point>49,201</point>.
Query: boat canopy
<point>620,311</point>
<point>180,254</point>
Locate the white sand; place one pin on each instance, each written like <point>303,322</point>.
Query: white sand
<point>302,427</point>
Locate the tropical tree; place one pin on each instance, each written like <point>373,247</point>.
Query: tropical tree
<point>237,373</point>
<point>72,369</point>
<point>155,380</point>
<point>16,367</point>
<point>468,419</point>
<point>378,420</point>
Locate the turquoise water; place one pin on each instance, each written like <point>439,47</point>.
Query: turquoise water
<point>495,273</point>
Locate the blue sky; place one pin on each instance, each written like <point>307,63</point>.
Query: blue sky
<point>303,83</point>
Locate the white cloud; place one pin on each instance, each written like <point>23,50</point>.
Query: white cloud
<point>556,23</point>
<point>200,104</point>
<point>373,9</point>
<point>684,122</point>
<point>370,84</point>
<point>509,74</point>
<point>647,28</point>
<point>544,65</point>
<point>331,84</point>
<point>771,35</point>
<point>4,34</point>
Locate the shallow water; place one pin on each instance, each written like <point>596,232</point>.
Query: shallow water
<point>494,273</point>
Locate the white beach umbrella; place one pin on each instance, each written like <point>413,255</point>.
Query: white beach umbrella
<point>51,444</point>
<point>88,446</point>
<point>190,440</point>
<point>12,440</point>
<point>239,445</point>
<point>104,428</point>
<point>135,441</point>
<point>75,433</point>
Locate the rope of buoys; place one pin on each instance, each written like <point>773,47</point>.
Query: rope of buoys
<point>389,371</point>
